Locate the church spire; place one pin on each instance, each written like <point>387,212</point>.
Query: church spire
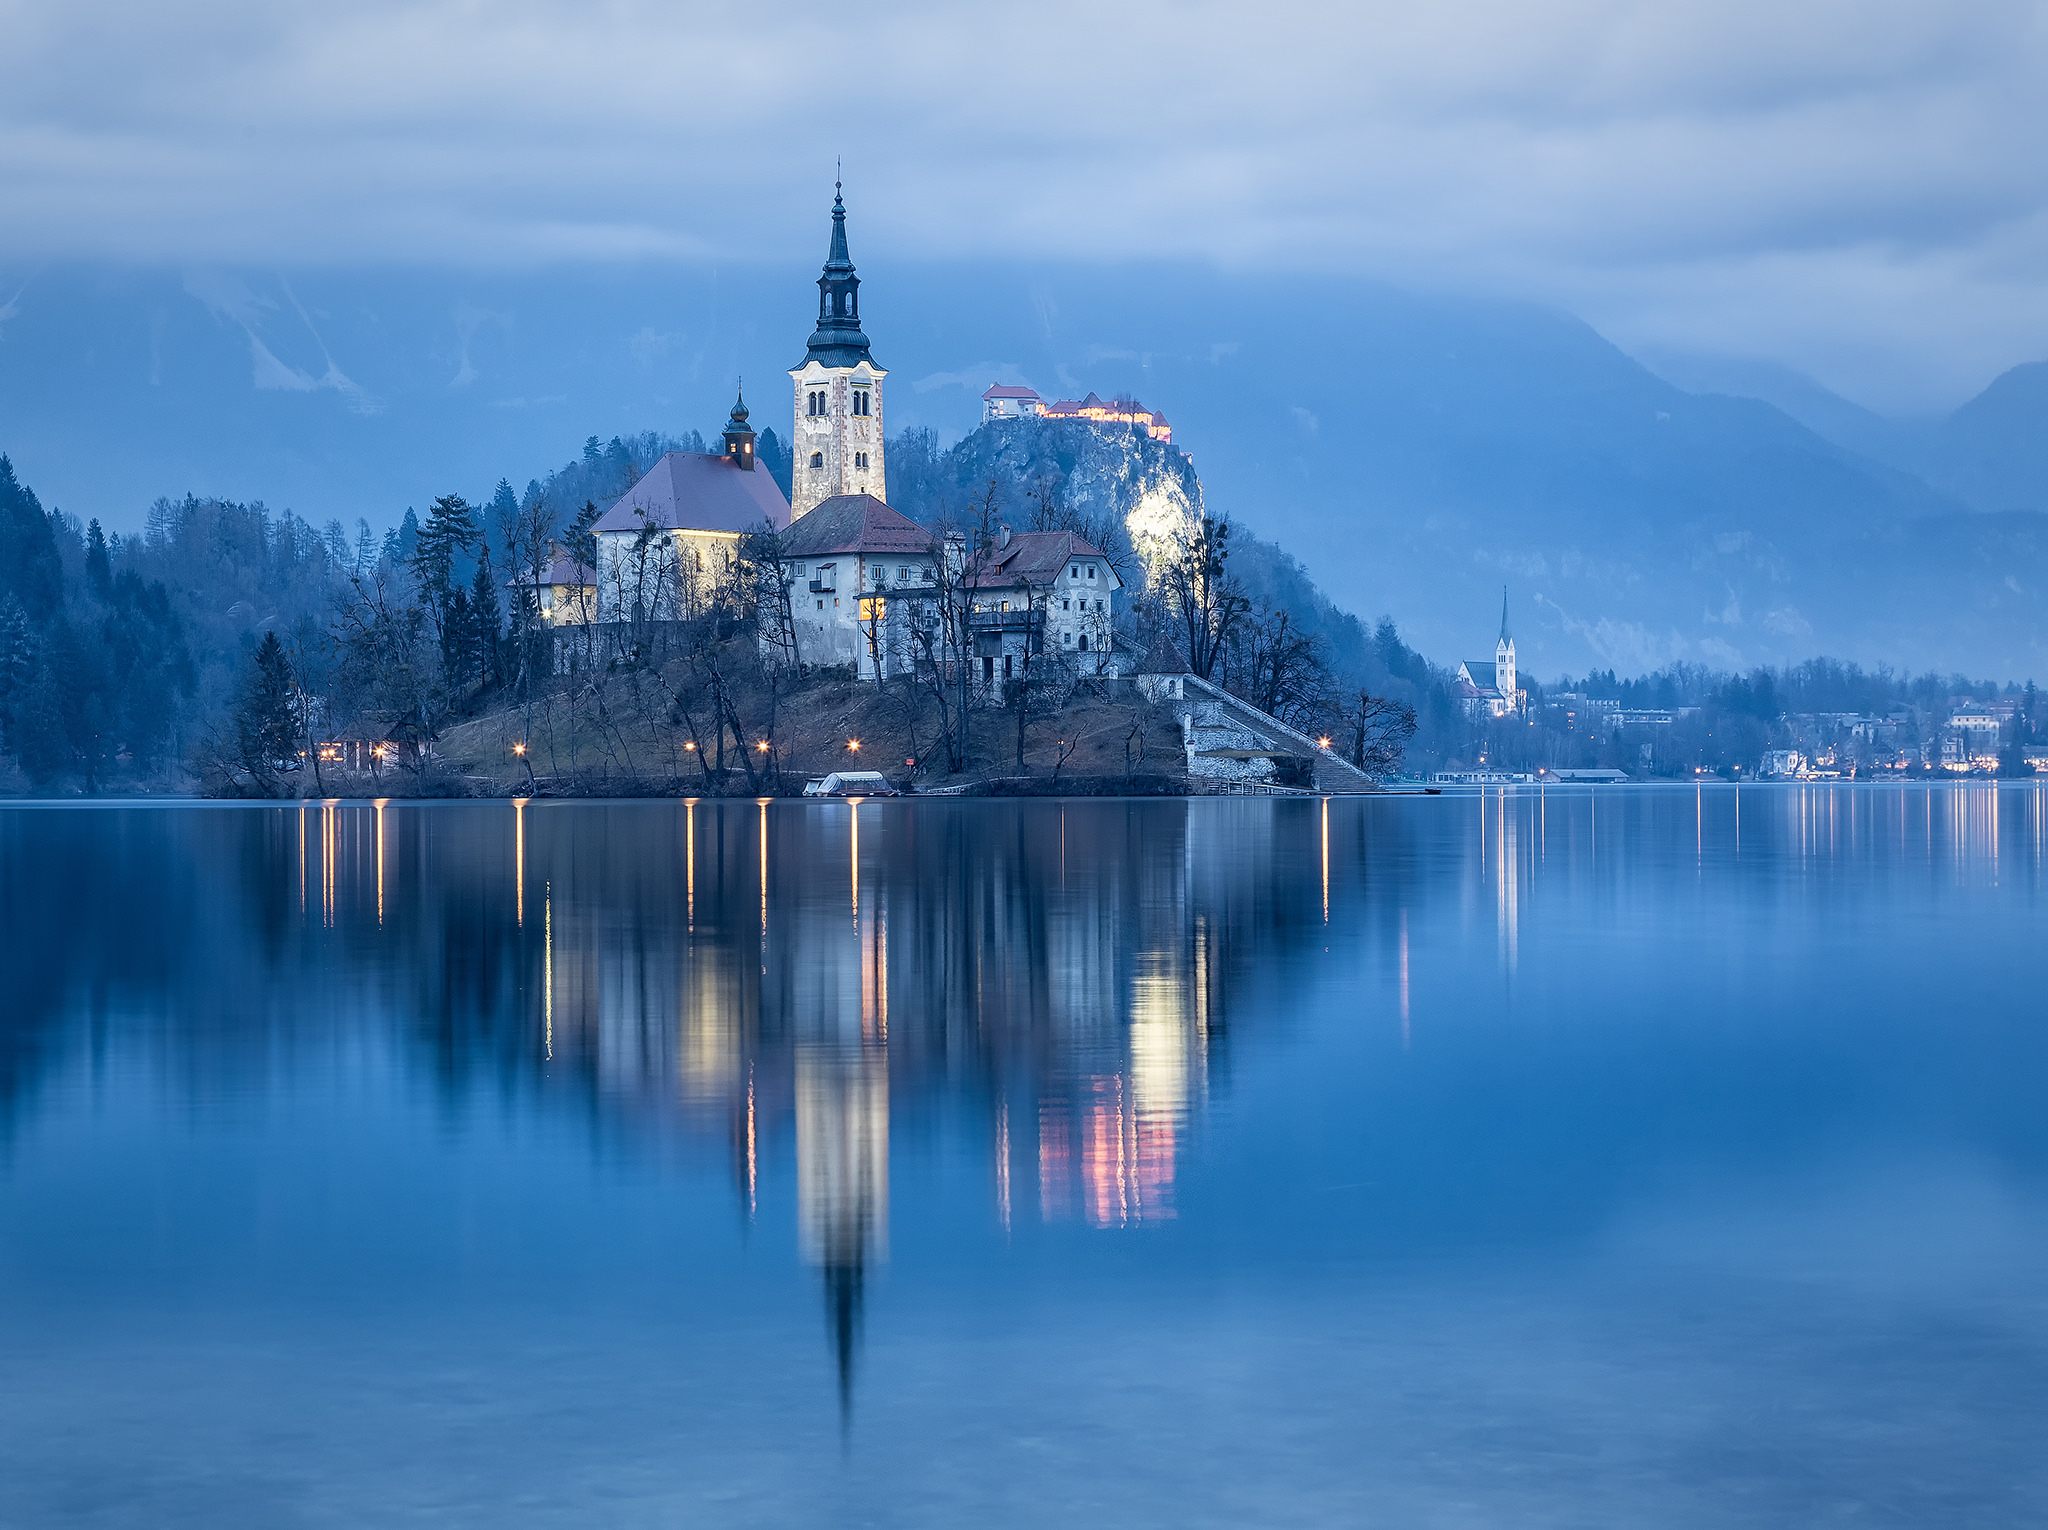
<point>838,341</point>
<point>1505,637</point>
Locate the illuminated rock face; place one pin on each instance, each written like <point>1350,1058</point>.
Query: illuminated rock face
<point>1097,469</point>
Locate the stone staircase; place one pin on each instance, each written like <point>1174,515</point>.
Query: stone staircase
<point>1226,737</point>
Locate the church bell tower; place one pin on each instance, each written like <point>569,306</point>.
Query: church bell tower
<point>1504,655</point>
<point>837,442</point>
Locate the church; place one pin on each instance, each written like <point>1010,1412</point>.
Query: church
<point>1487,687</point>
<point>863,579</point>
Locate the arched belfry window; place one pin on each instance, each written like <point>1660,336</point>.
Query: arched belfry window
<point>817,459</point>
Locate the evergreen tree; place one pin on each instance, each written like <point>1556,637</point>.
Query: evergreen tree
<point>30,570</point>
<point>267,722</point>
<point>582,544</point>
<point>99,571</point>
<point>17,667</point>
<point>39,738</point>
<point>485,614</point>
<point>458,640</point>
<point>450,531</point>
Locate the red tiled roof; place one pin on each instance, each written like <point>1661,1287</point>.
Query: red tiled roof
<point>699,491</point>
<point>854,523</point>
<point>1032,557</point>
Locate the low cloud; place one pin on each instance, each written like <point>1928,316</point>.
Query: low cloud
<point>1850,188</point>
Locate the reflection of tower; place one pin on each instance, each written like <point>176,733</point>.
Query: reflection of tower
<point>842,1180</point>
<point>1114,1138</point>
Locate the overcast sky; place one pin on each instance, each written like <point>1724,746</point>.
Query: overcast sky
<point>1855,189</point>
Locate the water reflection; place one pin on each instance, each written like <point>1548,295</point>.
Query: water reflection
<point>810,984</point>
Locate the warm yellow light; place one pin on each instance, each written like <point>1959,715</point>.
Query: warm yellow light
<point>519,748</point>
<point>1324,741</point>
<point>762,746</point>
<point>689,743</point>
<point>853,744</point>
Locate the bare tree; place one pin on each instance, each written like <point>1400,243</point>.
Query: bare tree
<point>1203,601</point>
<point>1278,668</point>
<point>940,636</point>
<point>1380,730</point>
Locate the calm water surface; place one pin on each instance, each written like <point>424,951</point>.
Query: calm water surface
<point>1643,1158</point>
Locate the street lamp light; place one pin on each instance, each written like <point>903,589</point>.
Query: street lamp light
<point>853,746</point>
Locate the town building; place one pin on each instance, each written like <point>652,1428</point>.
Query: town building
<point>859,575</point>
<point>1488,687</point>
<point>1037,591</point>
<point>1120,411</point>
<point>837,445</point>
<point>1003,402</point>
<point>665,546</point>
<point>564,590</point>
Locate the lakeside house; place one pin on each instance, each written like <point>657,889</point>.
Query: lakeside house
<point>1034,591</point>
<point>860,574</point>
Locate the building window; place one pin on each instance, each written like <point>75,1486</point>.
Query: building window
<point>821,605</point>
<point>817,459</point>
<point>1066,605</point>
<point>800,571</point>
<point>1098,605</point>
<point>1066,639</point>
<point>1091,571</point>
<point>1073,573</point>
<point>1006,666</point>
<point>902,574</point>
<point>1084,642</point>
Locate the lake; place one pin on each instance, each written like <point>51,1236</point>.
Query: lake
<point>1619,1157</point>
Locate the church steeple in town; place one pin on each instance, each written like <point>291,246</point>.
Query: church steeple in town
<point>837,431</point>
<point>1504,655</point>
<point>838,341</point>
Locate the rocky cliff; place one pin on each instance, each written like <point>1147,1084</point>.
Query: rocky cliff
<point>1096,469</point>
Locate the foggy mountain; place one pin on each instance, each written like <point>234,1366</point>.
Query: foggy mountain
<point>1415,453</point>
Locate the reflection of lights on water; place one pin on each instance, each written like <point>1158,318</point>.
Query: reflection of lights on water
<point>519,858</point>
<point>379,805</point>
<point>1003,1163</point>
<point>548,966</point>
<point>1404,977</point>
